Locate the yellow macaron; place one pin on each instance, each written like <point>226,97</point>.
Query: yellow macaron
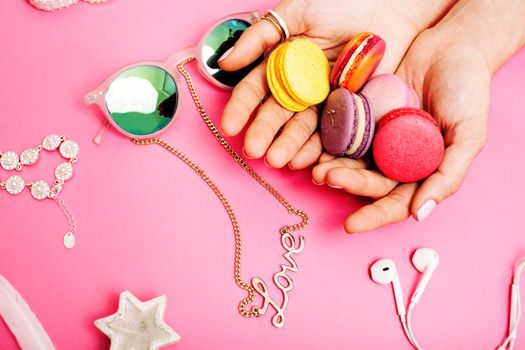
<point>298,75</point>
<point>276,86</point>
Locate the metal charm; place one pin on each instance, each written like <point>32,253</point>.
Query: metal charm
<point>281,279</point>
<point>69,240</point>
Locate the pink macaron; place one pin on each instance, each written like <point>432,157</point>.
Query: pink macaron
<point>408,145</point>
<point>387,92</point>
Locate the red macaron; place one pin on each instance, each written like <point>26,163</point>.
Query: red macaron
<point>408,145</point>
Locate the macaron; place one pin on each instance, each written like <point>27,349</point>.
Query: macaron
<point>358,61</point>
<point>298,74</point>
<point>408,145</point>
<point>347,124</point>
<point>387,92</point>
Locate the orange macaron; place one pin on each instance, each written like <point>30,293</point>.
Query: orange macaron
<point>358,61</point>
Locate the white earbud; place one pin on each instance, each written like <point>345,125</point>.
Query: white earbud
<point>384,272</point>
<point>425,260</point>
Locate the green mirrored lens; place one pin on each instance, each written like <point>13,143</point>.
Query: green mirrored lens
<point>142,100</point>
<point>220,40</point>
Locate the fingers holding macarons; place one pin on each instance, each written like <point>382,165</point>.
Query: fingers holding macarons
<point>297,75</point>
<point>293,136</point>
<point>381,114</point>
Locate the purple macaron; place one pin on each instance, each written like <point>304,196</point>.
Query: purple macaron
<point>347,124</point>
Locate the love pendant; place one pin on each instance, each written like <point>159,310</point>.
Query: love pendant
<point>281,279</point>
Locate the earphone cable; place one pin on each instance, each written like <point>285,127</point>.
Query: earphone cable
<point>517,316</point>
<point>403,319</point>
<point>409,325</point>
<point>511,338</point>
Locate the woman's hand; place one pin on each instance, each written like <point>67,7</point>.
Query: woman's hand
<point>281,135</point>
<point>454,83</point>
<point>451,69</point>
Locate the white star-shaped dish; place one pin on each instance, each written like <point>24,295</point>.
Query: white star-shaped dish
<point>138,325</point>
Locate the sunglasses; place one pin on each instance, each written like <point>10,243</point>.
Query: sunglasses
<point>141,100</point>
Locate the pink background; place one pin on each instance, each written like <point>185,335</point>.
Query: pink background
<point>149,225</point>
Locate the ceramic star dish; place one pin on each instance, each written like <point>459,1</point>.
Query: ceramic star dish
<point>138,325</point>
<point>53,5</point>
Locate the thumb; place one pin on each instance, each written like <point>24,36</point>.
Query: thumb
<point>458,95</point>
<point>466,142</point>
<point>259,37</point>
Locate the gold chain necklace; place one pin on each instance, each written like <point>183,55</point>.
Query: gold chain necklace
<point>292,246</point>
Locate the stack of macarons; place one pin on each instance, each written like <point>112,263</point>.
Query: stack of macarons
<point>298,75</point>
<point>408,145</point>
<point>348,118</point>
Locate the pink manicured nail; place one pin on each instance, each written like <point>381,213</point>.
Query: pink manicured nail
<point>315,183</point>
<point>243,152</point>
<point>226,54</point>
<point>335,186</point>
<point>425,210</point>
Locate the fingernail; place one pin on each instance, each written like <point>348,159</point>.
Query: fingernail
<point>291,167</point>
<point>335,186</point>
<point>244,152</point>
<point>266,163</point>
<point>316,183</point>
<point>349,232</point>
<point>226,54</point>
<point>425,210</point>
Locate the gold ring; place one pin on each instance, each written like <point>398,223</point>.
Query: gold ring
<point>275,24</point>
<point>279,24</point>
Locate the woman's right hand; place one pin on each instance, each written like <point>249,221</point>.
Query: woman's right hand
<point>284,137</point>
<point>450,67</point>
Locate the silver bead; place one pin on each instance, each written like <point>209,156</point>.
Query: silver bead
<point>40,190</point>
<point>69,149</point>
<point>64,171</point>
<point>51,142</point>
<point>29,156</point>
<point>14,185</point>
<point>9,160</point>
